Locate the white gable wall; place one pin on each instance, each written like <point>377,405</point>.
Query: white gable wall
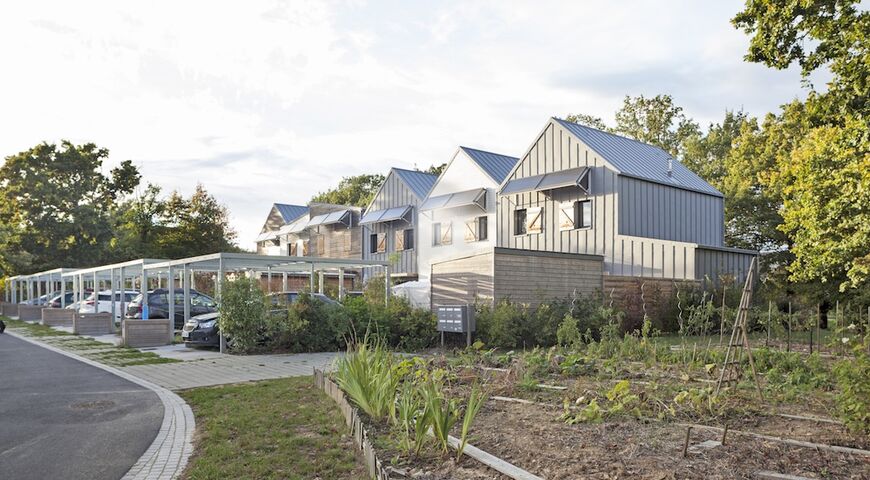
<point>461,174</point>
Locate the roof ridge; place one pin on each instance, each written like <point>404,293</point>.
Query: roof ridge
<point>616,135</point>
<point>414,171</point>
<point>486,151</point>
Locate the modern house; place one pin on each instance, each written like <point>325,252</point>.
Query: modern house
<point>281,215</point>
<point>586,210</point>
<point>316,230</point>
<point>458,221</point>
<point>391,219</point>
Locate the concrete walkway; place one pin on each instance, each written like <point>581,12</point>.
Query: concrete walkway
<point>230,369</point>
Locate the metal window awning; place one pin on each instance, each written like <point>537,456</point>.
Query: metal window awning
<point>475,196</point>
<point>343,217</point>
<point>294,227</point>
<point>572,177</point>
<point>268,235</point>
<point>388,215</point>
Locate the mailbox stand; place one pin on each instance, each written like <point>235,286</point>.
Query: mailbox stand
<point>456,319</point>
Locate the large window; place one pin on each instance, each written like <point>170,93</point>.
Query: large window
<point>584,214</point>
<point>476,229</point>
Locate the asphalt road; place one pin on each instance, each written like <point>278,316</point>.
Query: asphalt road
<point>61,418</point>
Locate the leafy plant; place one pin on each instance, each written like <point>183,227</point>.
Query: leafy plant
<point>853,400</point>
<point>568,334</point>
<point>366,374</point>
<point>441,412</point>
<point>476,399</point>
<point>243,313</point>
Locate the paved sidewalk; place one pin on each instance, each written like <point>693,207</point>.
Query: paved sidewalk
<point>170,450</point>
<point>230,369</point>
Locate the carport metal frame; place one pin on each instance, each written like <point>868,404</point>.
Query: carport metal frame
<point>116,275</point>
<point>222,263</point>
<point>21,288</point>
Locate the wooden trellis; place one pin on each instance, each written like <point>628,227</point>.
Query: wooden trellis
<point>731,370</point>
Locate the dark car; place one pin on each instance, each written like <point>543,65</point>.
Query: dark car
<point>286,298</point>
<point>202,330</point>
<point>158,305</point>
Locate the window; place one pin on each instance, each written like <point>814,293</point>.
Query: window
<point>520,221</point>
<point>409,238</point>
<point>476,229</point>
<point>378,243</point>
<point>201,301</point>
<point>534,220</point>
<point>575,215</point>
<point>584,214</point>
<point>400,240</point>
<point>442,233</point>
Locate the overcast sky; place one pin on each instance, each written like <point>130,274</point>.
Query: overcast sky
<point>267,102</point>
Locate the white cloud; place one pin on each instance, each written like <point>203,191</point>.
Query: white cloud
<point>275,101</point>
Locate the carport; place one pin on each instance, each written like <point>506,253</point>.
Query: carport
<point>21,288</point>
<point>222,263</point>
<point>115,277</point>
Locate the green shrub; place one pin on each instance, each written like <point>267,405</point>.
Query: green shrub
<point>243,314</point>
<point>366,374</point>
<point>853,398</point>
<point>501,326</point>
<point>569,331</point>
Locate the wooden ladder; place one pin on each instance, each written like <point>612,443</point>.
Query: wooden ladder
<point>731,371</point>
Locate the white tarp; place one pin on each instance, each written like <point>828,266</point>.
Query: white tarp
<point>416,292</point>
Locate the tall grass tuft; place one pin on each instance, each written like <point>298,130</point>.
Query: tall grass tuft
<point>476,399</point>
<point>367,376</point>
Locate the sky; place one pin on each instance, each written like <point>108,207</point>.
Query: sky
<point>275,101</point>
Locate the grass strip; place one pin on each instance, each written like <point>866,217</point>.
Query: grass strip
<point>283,428</point>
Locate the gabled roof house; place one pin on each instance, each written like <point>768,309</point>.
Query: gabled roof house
<point>391,219</point>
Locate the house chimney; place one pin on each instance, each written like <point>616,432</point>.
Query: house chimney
<point>670,167</point>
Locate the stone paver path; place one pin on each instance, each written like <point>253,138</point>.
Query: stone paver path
<point>230,369</point>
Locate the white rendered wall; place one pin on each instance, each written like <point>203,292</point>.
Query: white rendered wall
<point>461,174</point>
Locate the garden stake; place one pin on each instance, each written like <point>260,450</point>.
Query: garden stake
<point>724,434</point>
<point>788,337</point>
<point>769,307</point>
<point>686,444</point>
<point>819,326</point>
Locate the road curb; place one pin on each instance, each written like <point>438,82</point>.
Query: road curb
<point>168,454</point>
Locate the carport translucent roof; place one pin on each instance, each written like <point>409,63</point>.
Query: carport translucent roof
<point>229,262</point>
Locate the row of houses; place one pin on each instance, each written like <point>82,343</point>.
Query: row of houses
<point>581,210</point>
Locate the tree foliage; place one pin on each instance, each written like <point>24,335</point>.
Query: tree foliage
<point>657,121</point>
<point>56,205</point>
<point>358,190</point>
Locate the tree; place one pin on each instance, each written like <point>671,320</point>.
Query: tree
<point>820,147</point>
<point>55,206</point>
<point>656,121</point>
<point>587,120</point>
<point>705,154</point>
<point>436,169</point>
<point>139,222</point>
<point>195,226</point>
<point>814,33</point>
<point>358,190</point>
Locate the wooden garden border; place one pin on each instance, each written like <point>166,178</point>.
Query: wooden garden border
<point>375,466</point>
<point>351,417</point>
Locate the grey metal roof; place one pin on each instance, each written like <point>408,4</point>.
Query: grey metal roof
<point>419,182</point>
<point>637,159</point>
<point>291,212</point>
<point>497,166</point>
<point>340,216</point>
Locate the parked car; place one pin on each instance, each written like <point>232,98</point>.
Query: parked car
<point>286,298</point>
<point>204,330</point>
<point>158,305</point>
<point>69,300</point>
<point>39,300</point>
<point>104,302</point>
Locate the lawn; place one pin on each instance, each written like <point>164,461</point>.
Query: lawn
<point>85,346</point>
<point>283,428</point>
